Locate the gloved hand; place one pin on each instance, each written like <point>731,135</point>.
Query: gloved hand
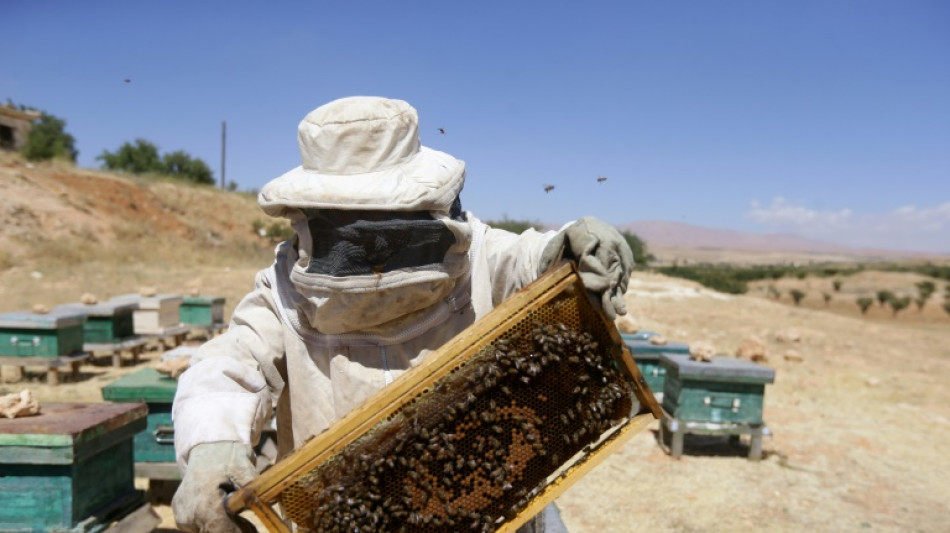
<point>603,257</point>
<point>214,470</point>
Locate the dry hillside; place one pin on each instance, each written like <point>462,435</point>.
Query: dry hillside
<point>65,231</point>
<point>861,424</point>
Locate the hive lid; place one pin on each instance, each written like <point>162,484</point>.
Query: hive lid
<point>203,300</point>
<point>156,302</point>
<point>646,350</point>
<point>108,308</point>
<point>721,368</point>
<point>640,335</point>
<point>55,319</point>
<point>62,431</point>
<point>146,385</point>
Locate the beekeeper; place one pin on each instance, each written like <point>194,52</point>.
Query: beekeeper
<point>385,268</point>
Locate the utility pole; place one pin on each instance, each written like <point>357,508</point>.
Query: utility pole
<point>224,128</point>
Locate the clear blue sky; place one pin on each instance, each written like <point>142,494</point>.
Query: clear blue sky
<point>830,119</point>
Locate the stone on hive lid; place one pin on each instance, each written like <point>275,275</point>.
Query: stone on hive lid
<point>19,404</point>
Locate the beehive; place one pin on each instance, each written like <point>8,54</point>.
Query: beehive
<point>726,389</point>
<point>155,314</point>
<point>25,334</point>
<point>106,322</point>
<point>202,310</point>
<point>154,444</point>
<point>647,355</point>
<point>69,468</point>
<point>480,436</point>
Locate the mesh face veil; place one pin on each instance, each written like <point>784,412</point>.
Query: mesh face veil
<point>363,271</point>
<point>356,242</point>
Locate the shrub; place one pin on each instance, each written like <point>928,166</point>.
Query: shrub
<point>899,304</point>
<point>722,279</point>
<point>797,295</point>
<point>280,231</point>
<point>640,254</point>
<point>836,285</point>
<point>826,297</point>
<point>884,296</point>
<point>864,302</point>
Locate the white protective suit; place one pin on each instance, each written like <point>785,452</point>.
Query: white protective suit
<point>311,344</point>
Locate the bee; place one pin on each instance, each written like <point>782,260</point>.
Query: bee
<point>548,188</point>
<point>601,179</point>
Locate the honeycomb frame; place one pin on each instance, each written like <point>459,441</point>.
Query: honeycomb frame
<point>480,436</point>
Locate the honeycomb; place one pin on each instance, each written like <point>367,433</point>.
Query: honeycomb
<point>472,449</point>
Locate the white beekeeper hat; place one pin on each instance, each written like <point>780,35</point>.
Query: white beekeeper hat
<point>364,153</point>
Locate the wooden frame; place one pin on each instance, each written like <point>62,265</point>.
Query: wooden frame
<point>260,494</point>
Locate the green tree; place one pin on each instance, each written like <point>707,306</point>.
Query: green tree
<point>826,297</point>
<point>864,302</point>
<point>925,289</point>
<point>884,296</point>
<point>836,285</point>
<point>142,156</point>
<point>899,304</point>
<point>797,295</point>
<point>48,139</point>
<point>640,253</point>
<point>182,165</point>
<point>137,158</point>
<point>946,306</point>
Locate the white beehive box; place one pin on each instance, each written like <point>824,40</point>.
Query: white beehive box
<point>155,314</point>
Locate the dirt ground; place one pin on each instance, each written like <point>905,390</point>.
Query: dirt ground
<point>860,426</point>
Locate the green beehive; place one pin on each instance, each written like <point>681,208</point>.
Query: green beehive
<point>647,356</point>
<point>202,310</point>
<point>25,334</point>
<point>68,469</point>
<point>106,322</point>
<point>726,389</point>
<point>156,443</point>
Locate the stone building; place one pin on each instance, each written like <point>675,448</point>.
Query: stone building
<point>15,126</point>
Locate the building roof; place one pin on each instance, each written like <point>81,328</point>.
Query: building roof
<point>13,112</point>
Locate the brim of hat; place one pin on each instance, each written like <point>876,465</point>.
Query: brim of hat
<point>429,181</point>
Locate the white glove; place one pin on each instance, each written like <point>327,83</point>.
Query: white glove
<point>603,257</point>
<point>214,470</point>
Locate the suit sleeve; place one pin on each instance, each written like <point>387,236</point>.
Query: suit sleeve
<point>513,259</point>
<point>232,386</point>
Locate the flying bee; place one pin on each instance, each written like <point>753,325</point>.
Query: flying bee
<point>548,188</point>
